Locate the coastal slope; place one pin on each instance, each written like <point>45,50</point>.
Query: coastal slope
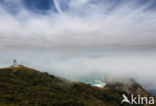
<point>21,85</point>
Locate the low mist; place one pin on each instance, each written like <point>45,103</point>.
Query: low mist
<point>139,65</point>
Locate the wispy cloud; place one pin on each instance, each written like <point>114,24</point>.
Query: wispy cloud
<point>80,24</point>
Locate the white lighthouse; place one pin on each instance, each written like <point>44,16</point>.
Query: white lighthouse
<point>14,62</point>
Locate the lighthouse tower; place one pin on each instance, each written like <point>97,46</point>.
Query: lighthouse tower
<point>14,62</point>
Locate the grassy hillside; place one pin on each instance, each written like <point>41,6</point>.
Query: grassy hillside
<point>24,86</point>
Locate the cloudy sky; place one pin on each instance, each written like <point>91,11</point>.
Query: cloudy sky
<point>76,38</point>
<point>77,24</point>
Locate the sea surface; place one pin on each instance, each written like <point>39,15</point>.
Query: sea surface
<point>152,92</point>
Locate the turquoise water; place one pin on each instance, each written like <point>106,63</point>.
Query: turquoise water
<point>92,81</point>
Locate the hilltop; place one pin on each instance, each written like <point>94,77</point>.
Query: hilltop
<point>22,86</point>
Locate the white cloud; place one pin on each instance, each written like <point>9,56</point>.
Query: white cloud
<point>83,26</point>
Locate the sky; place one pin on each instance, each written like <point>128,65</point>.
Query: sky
<point>75,38</point>
<point>77,24</point>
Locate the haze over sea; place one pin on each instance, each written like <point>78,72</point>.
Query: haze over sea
<point>89,66</point>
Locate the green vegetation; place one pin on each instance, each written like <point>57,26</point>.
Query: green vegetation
<point>24,86</point>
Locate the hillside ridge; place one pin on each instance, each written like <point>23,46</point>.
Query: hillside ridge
<point>22,86</point>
